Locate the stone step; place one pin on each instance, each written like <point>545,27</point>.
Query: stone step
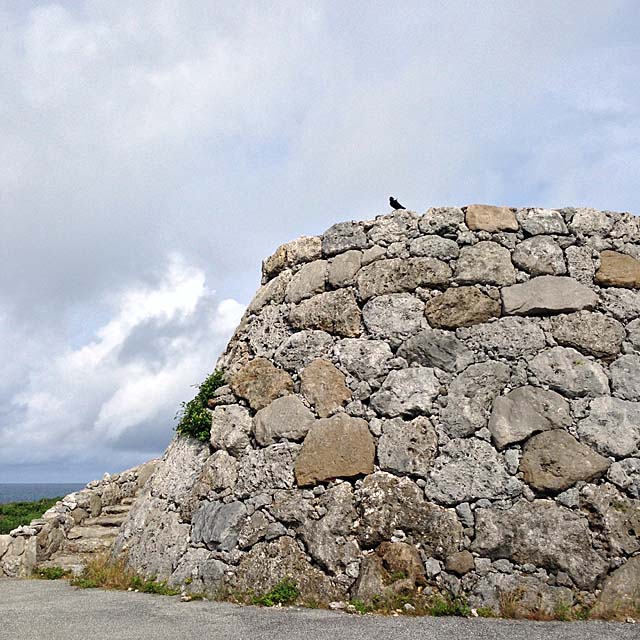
<point>116,509</point>
<point>109,520</point>
<point>91,532</point>
<point>74,562</point>
<point>128,501</point>
<point>89,545</point>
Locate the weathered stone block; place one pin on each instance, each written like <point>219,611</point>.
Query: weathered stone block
<point>487,263</point>
<point>303,347</point>
<point>364,359</point>
<point>540,255</point>
<point>394,317</point>
<point>343,236</point>
<point>308,281</point>
<point>436,348</point>
<point>625,377</point>
<point>217,525</point>
<point>508,337</point>
<point>406,392</point>
<point>619,595</point>
<point>324,387</point>
<point>434,247</point>
<point>592,333</point>
<point>259,382</point>
<point>303,249</point>
<point>618,270</point>
<point>461,307</point>
<point>483,217</point>
<point>285,417</point>
<point>541,221</point>
<point>407,447</point>
<point>343,268</point>
<point>334,311</point>
<point>442,220</point>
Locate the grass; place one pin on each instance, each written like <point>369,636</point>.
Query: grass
<point>194,418</point>
<point>285,592</point>
<point>13,514</point>
<point>51,573</point>
<point>105,574</point>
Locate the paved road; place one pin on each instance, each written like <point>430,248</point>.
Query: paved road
<point>41,610</point>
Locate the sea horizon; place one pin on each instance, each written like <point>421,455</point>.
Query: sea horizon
<point>31,491</point>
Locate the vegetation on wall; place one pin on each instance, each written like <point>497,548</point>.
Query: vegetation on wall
<point>194,417</point>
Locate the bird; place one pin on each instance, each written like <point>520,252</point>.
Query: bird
<point>395,204</point>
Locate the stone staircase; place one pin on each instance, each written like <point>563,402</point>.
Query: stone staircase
<point>90,538</point>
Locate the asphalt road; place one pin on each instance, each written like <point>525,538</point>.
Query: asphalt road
<point>43,610</point>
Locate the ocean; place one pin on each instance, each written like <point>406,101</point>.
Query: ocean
<point>19,492</point>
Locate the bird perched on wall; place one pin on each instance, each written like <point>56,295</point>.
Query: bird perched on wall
<point>395,204</point>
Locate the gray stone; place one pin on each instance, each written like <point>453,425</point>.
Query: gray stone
<point>394,317</point>
<point>272,292</point>
<point>372,254</point>
<point>436,348</point>
<point>612,427</point>
<point>460,562</point>
<point>343,268</point>
<point>397,227</point>
<point>540,255</point>
<point>619,595</point>
<point>285,417</point>
<point>434,247</point>
<point>371,582</point>
<point>302,249</point>
<point>461,307</point>
<point>625,377</point>
<point>580,264</point>
<point>554,461</point>
<point>217,525</point>
<point>592,333</point>
<point>442,220</point>
<point>397,275</point>
<point>547,295</point>
<point>268,469</point>
<point>591,222</point>
<point>471,395</point>
<point>406,392</point>
<point>334,311</point>
<point>220,471</point>
<point>468,469</point>
<point>259,382</point>
<point>364,359</point>
<point>622,304</point>
<point>303,347</point>
<point>626,475</point>
<point>230,428</point>
<point>308,281</point>
<point>324,387</point>
<point>268,330</point>
<point>524,411</point>
<point>541,533</point>
<point>407,447</point>
<point>482,217</point>
<point>541,221</point>
<point>336,447</point>
<point>343,236</point>
<point>633,334</point>
<point>386,502</point>
<point>569,372</point>
<point>506,337</point>
<point>485,262</point>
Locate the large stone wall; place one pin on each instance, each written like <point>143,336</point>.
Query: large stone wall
<point>447,402</point>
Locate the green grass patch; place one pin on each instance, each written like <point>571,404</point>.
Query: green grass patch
<point>13,514</point>
<point>193,417</point>
<point>285,592</point>
<point>51,573</point>
<point>448,606</point>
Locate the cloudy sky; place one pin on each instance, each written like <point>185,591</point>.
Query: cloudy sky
<point>152,153</point>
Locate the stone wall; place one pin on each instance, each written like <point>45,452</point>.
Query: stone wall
<point>447,402</point>
<point>27,546</point>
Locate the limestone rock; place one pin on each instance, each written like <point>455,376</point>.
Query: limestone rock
<point>507,337</point>
<point>442,220</point>
<point>230,428</point>
<point>619,595</point>
<point>547,295</point>
<point>220,472</point>
<point>580,264</point>
<point>623,304</point>
<point>569,372</point>
<point>394,317</point>
<point>541,221</point>
<point>301,250</point>
<point>397,227</point>
<point>343,268</point>
<point>265,470</point>
<point>469,469</point>
<point>406,392</point>
<point>471,395</point>
<point>633,334</point>
<point>217,525</point>
<point>386,502</point>
<point>524,411</point>
<point>364,359</point>
<point>460,562</point>
<point>285,417</point>
<point>402,558</point>
<point>198,572</point>
<point>592,333</point>
<point>461,307</point>
<point>541,533</point>
<point>336,447</point>
<point>303,347</point>
<point>308,281</point>
<point>486,262</point>
<point>612,427</point>
<point>589,221</point>
<point>371,582</point>
<point>434,247</point>
<point>259,382</point>
<point>482,217</point>
<point>343,236</point>
<point>618,270</point>
<point>407,447</point>
<point>436,348</point>
<point>540,255</point>
<point>625,377</point>
<point>324,387</point>
<point>334,311</point>
<point>555,460</point>
<point>268,330</point>
<point>626,475</point>
<point>272,292</point>
<point>397,275</point>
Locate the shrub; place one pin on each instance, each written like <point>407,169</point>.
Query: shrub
<point>194,417</point>
<point>51,573</point>
<point>285,592</point>
<point>13,514</point>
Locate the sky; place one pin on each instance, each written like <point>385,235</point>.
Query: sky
<point>153,153</point>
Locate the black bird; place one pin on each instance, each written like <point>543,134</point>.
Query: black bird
<point>395,204</point>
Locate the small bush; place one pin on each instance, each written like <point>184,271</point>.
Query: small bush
<point>361,607</point>
<point>448,606</point>
<point>194,417</point>
<point>51,573</point>
<point>285,592</point>
<point>13,514</point>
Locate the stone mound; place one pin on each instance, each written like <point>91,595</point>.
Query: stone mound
<point>447,402</point>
